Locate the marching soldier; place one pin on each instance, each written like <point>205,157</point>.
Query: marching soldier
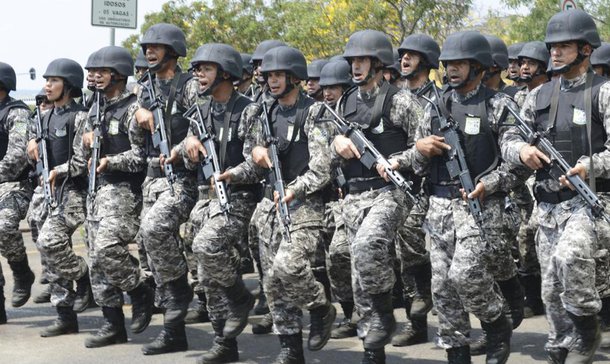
<point>314,90</point>
<point>600,60</point>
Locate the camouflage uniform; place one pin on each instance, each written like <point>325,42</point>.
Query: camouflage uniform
<point>338,258</point>
<point>567,240</point>
<point>113,215</point>
<point>463,274</point>
<point>54,240</point>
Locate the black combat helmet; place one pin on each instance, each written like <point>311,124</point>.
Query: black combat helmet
<point>315,68</point>
<point>246,64</point>
<point>263,47</point>
<point>8,78</point>
<point>423,44</point>
<point>287,59</point>
<point>225,56</point>
<point>499,52</point>
<point>536,50</point>
<point>166,34</point>
<point>369,43</point>
<point>514,49</point>
<point>336,73</point>
<point>114,57</point>
<point>572,25</point>
<point>470,45</point>
<point>141,61</point>
<point>91,61</point>
<point>70,71</point>
<point>601,56</point>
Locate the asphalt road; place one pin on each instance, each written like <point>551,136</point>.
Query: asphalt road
<point>20,341</point>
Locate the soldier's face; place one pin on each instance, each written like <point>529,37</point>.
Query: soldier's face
<point>563,53</point>
<point>90,78</point>
<point>457,71</point>
<point>155,53</point>
<point>409,62</point>
<point>529,67</point>
<point>332,93</point>
<point>599,70</point>
<point>277,81</point>
<point>206,73</point>
<point>54,88</point>
<point>103,77</point>
<point>361,66</point>
<point>313,86</point>
<point>513,68</point>
<point>258,75</point>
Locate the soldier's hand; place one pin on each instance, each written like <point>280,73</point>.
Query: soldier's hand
<point>193,148</point>
<point>533,157</point>
<point>88,139</point>
<point>478,192</point>
<point>103,164</point>
<point>33,150</point>
<point>225,176</point>
<point>260,156</point>
<point>432,145</point>
<point>172,158</point>
<point>52,178</point>
<point>578,169</point>
<point>345,147</point>
<point>145,119</point>
<point>382,170</point>
<point>288,197</point>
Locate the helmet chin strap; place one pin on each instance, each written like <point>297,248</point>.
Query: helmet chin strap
<point>289,87</point>
<point>472,74</point>
<point>156,67</point>
<point>369,76</point>
<point>411,75</point>
<point>488,75</point>
<point>317,93</point>
<point>530,78</point>
<point>208,91</point>
<point>567,67</point>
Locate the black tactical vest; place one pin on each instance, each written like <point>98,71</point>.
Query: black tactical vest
<point>378,129</point>
<point>115,127</point>
<point>476,136</point>
<point>569,132</point>
<point>288,125</point>
<point>6,106</point>
<point>60,129</point>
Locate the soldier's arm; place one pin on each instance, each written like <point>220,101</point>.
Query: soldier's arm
<point>78,162</point>
<point>319,173</point>
<point>15,158</point>
<point>601,160</point>
<point>250,131</point>
<point>416,122</point>
<point>512,142</point>
<point>132,160</point>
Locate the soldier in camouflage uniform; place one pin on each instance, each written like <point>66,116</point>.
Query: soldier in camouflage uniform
<point>166,207</point>
<point>314,90</point>
<point>63,128</point>
<point>462,271</point>
<point>216,67</point>
<point>114,207</point>
<point>287,261</point>
<point>245,85</point>
<point>513,72</point>
<point>374,208</point>
<point>600,60</point>
<point>566,239</point>
<point>15,188</point>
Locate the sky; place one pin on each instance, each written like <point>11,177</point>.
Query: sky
<point>37,31</point>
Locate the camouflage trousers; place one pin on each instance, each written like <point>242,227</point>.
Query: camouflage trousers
<point>36,216</point>
<point>371,220</point>
<point>2,281</point>
<point>566,243</point>
<point>528,258</point>
<point>215,247</point>
<point>55,245</point>
<point>162,215</point>
<point>191,227</point>
<point>339,258</point>
<point>14,200</point>
<point>289,281</point>
<point>113,219</point>
<point>602,255</point>
<point>463,276</point>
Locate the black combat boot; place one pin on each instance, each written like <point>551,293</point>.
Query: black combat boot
<point>66,323</point>
<point>345,328</point>
<point>84,295</point>
<point>587,338</point>
<point>556,355</point>
<point>44,296</point>
<point>142,300</point>
<point>112,331</point>
<point>223,351</point>
<point>498,340</point>
<point>382,323</point>
<point>415,331</point>
<point>200,313</point>
<point>321,319</point>
<point>373,356</point>
<point>23,280</point>
<point>292,350</point>
<point>533,297</point>
<point>422,302</point>
<point>241,302</point>
<point>264,326</point>
<point>513,294</point>
<point>459,355</point>
<point>2,309</point>
<point>478,346</point>
<point>172,337</point>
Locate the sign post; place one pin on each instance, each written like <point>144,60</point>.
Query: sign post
<point>114,14</point>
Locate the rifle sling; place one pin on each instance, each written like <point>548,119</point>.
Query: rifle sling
<point>226,130</point>
<point>170,105</point>
<point>588,105</point>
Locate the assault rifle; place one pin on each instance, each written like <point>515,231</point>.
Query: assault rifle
<point>159,137</point>
<point>275,175</point>
<point>456,161</point>
<point>558,166</point>
<point>210,165</point>
<point>42,164</point>
<point>369,155</point>
<point>96,146</point>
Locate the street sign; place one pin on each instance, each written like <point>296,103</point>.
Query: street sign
<point>567,4</point>
<point>114,13</point>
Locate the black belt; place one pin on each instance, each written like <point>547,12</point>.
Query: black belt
<point>445,191</point>
<point>554,197</point>
<point>157,171</point>
<point>366,185</point>
<point>135,180</point>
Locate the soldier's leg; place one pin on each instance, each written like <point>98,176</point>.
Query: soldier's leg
<point>37,214</point>
<point>256,224</point>
<point>2,309</point>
